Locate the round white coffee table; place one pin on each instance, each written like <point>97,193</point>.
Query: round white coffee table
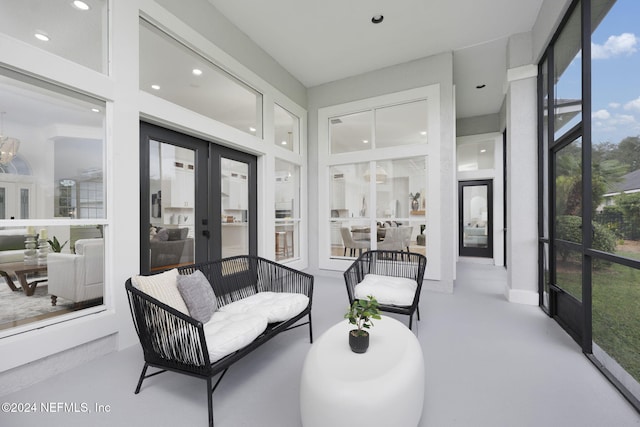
<point>382,387</point>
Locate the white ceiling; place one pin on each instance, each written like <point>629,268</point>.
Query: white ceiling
<point>323,41</point>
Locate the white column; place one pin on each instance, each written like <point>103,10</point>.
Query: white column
<point>522,186</point>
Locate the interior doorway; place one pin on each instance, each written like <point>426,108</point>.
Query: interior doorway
<point>475,218</point>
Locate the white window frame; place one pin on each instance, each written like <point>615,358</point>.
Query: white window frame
<point>431,150</point>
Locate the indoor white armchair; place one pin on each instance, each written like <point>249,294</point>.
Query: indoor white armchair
<point>77,277</point>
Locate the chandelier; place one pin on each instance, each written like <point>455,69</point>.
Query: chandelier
<point>380,177</point>
<point>8,146</point>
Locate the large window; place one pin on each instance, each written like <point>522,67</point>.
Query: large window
<point>286,128</point>
<point>172,71</point>
<point>615,187</point>
<point>74,30</point>
<point>287,210</point>
<point>52,198</point>
<point>378,170</point>
<point>398,213</point>
<point>591,162</point>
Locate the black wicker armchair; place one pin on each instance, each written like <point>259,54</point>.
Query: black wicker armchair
<point>174,341</point>
<point>392,264</point>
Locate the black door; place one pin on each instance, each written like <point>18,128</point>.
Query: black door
<point>184,208</point>
<point>566,273</point>
<point>475,218</point>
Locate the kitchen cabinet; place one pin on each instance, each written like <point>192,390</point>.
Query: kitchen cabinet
<point>235,189</point>
<point>183,189</point>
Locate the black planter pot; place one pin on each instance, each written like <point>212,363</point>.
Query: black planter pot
<point>358,343</point>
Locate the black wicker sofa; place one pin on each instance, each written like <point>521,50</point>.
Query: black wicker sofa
<point>175,341</point>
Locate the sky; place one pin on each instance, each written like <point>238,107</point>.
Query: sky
<point>615,74</point>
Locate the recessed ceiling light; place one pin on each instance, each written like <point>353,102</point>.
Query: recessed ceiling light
<point>284,142</point>
<point>482,86</point>
<point>423,133</point>
<point>483,151</point>
<point>80,5</point>
<point>252,129</point>
<point>95,110</point>
<point>197,72</point>
<point>42,36</point>
<point>377,19</point>
<point>365,141</point>
<point>155,87</point>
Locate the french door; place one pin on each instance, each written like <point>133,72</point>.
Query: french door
<point>567,260</point>
<point>475,218</point>
<point>197,200</point>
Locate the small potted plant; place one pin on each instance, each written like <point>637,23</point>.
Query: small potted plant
<point>415,203</point>
<point>55,244</point>
<point>360,314</point>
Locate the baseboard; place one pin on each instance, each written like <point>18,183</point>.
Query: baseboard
<point>31,373</point>
<point>518,296</point>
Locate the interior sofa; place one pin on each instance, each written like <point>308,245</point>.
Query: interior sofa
<point>12,244</point>
<point>170,247</point>
<point>77,277</point>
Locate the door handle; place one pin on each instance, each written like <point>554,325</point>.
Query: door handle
<point>206,234</point>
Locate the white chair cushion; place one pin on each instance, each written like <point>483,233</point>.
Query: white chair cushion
<point>163,287</point>
<point>275,306</point>
<point>226,333</point>
<point>387,289</point>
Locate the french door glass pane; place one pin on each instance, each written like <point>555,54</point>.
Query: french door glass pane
<point>24,203</point>
<point>235,207</point>
<point>3,203</point>
<point>172,189</point>
<point>475,216</point>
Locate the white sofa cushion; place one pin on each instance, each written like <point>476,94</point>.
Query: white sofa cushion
<point>275,306</point>
<point>163,287</point>
<point>226,333</point>
<point>387,289</point>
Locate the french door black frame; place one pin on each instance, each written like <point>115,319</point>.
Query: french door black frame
<point>472,251</point>
<point>207,221</point>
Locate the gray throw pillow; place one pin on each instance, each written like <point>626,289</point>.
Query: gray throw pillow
<point>184,232</point>
<point>198,295</point>
<point>162,235</point>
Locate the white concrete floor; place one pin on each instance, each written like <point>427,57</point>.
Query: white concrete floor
<point>488,363</point>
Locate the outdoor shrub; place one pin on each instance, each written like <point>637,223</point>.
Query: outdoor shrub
<point>569,227</point>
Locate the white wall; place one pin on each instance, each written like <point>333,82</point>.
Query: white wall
<point>522,187</point>
<point>88,337</point>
